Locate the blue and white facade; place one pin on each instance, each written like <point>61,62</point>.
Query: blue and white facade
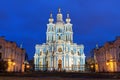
<point>59,52</point>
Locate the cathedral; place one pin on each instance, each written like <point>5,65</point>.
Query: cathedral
<point>59,53</point>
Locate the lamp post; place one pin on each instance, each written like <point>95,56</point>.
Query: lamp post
<point>25,67</point>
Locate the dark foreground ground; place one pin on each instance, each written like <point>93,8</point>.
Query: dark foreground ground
<point>59,76</point>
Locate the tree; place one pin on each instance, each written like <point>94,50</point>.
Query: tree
<point>3,66</point>
<point>26,62</point>
<point>90,62</point>
<point>26,57</point>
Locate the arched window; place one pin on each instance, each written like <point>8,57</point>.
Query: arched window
<point>70,38</point>
<point>59,37</point>
<point>59,30</point>
<point>119,46</point>
<point>0,55</point>
<point>47,64</point>
<point>40,64</point>
<point>47,52</point>
<point>66,38</point>
<point>40,53</point>
<point>48,29</point>
<point>72,52</point>
<point>52,38</point>
<point>78,53</point>
<point>119,55</point>
<point>0,47</point>
<point>52,29</point>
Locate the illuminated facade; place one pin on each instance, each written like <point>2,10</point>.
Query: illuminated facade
<point>13,55</point>
<point>59,52</point>
<point>107,57</point>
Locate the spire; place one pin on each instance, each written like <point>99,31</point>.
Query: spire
<point>68,15</point>
<point>97,47</point>
<point>21,46</point>
<point>59,10</point>
<point>68,18</point>
<point>51,15</point>
<point>51,18</point>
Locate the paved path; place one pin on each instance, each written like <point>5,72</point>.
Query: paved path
<point>59,76</point>
<point>47,78</point>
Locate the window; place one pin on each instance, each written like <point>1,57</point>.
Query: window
<point>52,38</point>
<point>48,29</point>
<point>40,64</point>
<point>119,55</point>
<point>59,37</point>
<point>78,53</point>
<point>60,49</point>
<point>52,29</point>
<point>66,38</point>
<point>47,52</point>
<point>40,53</point>
<point>72,52</point>
<point>119,46</point>
<point>0,47</point>
<point>0,55</point>
<point>59,30</point>
<point>47,64</point>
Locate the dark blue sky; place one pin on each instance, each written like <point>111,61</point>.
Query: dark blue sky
<point>94,21</point>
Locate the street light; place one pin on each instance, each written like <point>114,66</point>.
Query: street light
<point>107,63</point>
<point>25,65</point>
<point>28,66</point>
<point>14,63</point>
<point>92,66</point>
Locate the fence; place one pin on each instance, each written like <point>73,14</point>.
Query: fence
<point>67,68</point>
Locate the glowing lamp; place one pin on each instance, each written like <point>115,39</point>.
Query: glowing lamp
<point>107,63</point>
<point>91,66</point>
<point>28,66</point>
<point>13,63</point>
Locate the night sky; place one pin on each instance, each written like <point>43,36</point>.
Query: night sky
<point>94,21</point>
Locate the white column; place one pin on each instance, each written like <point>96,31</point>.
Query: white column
<point>68,63</point>
<point>64,62</point>
<point>56,63</point>
<point>51,63</point>
<point>54,37</point>
<point>77,64</point>
<point>35,62</point>
<point>82,63</point>
<point>72,37</point>
<point>68,37</point>
<point>47,37</point>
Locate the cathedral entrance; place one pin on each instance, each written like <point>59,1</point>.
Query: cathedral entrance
<point>59,64</point>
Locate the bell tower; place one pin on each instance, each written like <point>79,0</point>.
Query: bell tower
<point>59,16</point>
<point>50,30</point>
